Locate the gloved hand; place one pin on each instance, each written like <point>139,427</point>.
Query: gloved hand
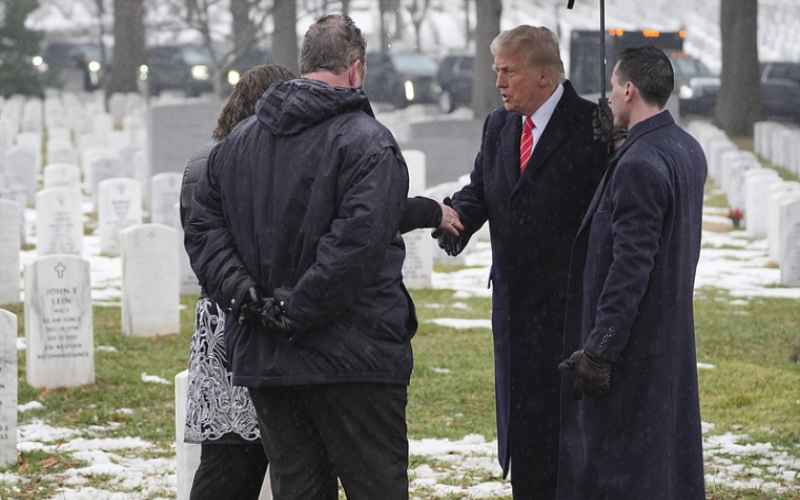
<point>250,310</point>
<point>452,244</point>
<point>592,374</point>
<point>275,319</point>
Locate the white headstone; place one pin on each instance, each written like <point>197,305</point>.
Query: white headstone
<point>8,388</point>
<point>717,147</point>
<point>61,152</point>
<point>788,215</point>
<point>150,281</point>
<point>187,455</point>
<point>118,105</point>
<point>756,188</point>
<point>790,255</point>
<point>9,252</point>
<point>58,322</point>
<point>21,169</point>
<point>119,207</point>
<point>418,265</point>
<point>101,167</point>
<point>164,193</point>
<point>32,116</point>
<point>59,226</point>
<point>774,196</point>
<point>58,134</point>
<point>62,175</point>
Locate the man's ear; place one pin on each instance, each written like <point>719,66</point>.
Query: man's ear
<point>630,91</point>
<point>356,74</point>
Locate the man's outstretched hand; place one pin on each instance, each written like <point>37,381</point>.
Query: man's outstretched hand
<point>448,234</point>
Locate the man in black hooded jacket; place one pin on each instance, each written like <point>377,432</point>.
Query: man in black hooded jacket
<point>302,203</point>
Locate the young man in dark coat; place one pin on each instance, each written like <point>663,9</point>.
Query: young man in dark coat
<point>533,178</point>
<point>302,204</point>
<point>634,430</point>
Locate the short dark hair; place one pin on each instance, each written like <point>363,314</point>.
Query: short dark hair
<point>242,101</point>
<point>332,43</point>
<point>650,70</point>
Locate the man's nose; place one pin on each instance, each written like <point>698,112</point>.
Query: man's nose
<point>500,81</point>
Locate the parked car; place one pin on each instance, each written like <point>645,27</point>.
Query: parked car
<point>780,98</point>
<point>455,77</point>
<point>780,70</point>
<point>250,58</point>
<point>71,65</point>
<point>185,68</point>
<point>401,78</point>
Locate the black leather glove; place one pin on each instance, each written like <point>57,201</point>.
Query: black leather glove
<point>275,319</point>
<point>592,374</point>
<point>452,245</point>
<point>250,310</point>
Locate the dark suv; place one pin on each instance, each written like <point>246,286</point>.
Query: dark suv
<point>184,68</point>
<point>455,78</point>
<point>72,65</point>
<point>401,78</point>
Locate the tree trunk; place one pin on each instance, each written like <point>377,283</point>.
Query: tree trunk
<point>467,27</point>
<point>345,7</point>
<point>484,94</point>
<point>242,26</point>
<point>383,8</point>
<point>739,102</point>
<point>128,45</point>
<point>284,36</point>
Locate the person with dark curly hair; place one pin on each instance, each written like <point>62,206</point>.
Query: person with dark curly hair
<point>220,416</point>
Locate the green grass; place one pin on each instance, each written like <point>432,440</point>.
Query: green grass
<point>753,389</point>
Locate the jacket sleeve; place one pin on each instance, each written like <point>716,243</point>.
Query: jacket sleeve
<point>351,253</point>
<point>640,198</point>
<point>420,213</point>
<point>210,244</point>
<point>469,202</point>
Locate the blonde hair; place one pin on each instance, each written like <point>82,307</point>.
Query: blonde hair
<point>538,43</point>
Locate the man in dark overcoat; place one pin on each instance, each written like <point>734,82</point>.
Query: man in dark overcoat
<point>629,333</point>
<point>533,179</point>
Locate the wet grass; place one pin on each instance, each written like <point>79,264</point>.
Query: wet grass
<point>752,390</point>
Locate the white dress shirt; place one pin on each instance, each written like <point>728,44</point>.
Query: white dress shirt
<point>541,117</point>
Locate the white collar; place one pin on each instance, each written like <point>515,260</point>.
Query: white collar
<point>541,117</point>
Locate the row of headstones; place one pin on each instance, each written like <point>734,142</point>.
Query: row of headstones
<point>769,205</point>
<point>778,143</point>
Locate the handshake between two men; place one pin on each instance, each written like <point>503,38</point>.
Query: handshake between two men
<point>592,373</point>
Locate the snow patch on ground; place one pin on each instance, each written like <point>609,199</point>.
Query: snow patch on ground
<point>462,324</point>
<point>105,348</point>
<point>30,406</point>
<point>154,379</point>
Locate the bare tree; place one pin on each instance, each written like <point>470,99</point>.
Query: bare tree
<point>128,45</point>
<point>739,102</point>
<point>418,9</point>
<point>284,36</point>
<point>484,93</point>
<point>243,30</point>
<point>467,23</point>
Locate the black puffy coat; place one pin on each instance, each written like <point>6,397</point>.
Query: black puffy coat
<point>304,201</point>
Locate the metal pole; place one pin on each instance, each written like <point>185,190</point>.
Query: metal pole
<point>603,48</point>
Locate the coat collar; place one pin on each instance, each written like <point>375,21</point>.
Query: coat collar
<point>638,131</point>
<point>556,132</point>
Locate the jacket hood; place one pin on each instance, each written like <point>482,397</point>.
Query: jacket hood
<point>289,107</point>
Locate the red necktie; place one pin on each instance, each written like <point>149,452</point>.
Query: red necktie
<point>526,144</point>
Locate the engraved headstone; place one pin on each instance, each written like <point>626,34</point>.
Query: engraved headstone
<point>59,227</point>
<point>757,182</point>
<point>164,192</point>
<point>58,322</point>
<point>775,195</point>
<point>21,169</point>
<point>418,264</point>
<point>175,131</point>
<point>119,207</point>
<point>150,281</point>
<point>8,388</point>
<point>64,175</point>
<point>9,251</point>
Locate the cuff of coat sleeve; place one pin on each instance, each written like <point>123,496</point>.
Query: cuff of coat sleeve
<point>239,297</point>
<point>601,343</point>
